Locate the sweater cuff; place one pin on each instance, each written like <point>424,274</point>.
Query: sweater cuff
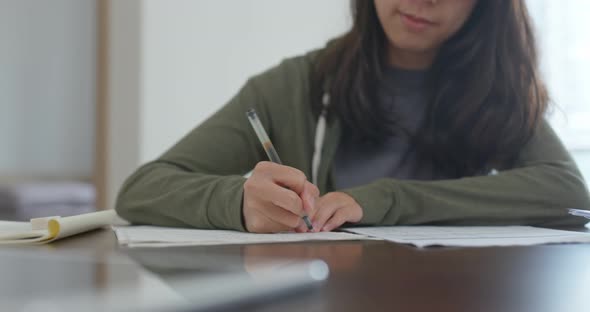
<point>226,211</point>
<point>377,199</point>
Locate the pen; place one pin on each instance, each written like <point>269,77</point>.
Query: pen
<point>269,148</point>
<point>579,213</point>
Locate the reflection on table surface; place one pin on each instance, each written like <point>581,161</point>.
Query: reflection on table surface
<point>76,279</point>
<point>365,275</point>
<point>68,281</point>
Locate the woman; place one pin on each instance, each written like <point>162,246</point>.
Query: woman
<point>425,112</point>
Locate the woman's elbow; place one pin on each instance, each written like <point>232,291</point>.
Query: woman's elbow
<point>575,193</point>
<point>130,201</point>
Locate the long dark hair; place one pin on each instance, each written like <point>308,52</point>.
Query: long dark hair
<point>486,96</point>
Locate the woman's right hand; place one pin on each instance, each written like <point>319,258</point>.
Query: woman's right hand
<point>275,198</point>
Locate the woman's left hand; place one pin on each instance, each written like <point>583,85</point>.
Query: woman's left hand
<point>334,209</point>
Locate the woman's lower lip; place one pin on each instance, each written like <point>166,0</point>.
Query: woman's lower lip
<point>413,23</point>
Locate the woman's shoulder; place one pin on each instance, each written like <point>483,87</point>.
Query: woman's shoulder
<point>292,73</point>
<point>283,95</point>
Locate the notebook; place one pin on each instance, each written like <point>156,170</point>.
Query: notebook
<point>49,229</point>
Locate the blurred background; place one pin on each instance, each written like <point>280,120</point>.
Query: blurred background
<point>90,89</point>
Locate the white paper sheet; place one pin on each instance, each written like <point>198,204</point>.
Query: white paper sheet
<point>153,236</point>
<point>472,236</point>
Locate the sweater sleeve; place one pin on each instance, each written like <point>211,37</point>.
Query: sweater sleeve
<point>198,182</point>
<point>537,191</point>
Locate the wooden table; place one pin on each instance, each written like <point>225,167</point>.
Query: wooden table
<point>382,276</point>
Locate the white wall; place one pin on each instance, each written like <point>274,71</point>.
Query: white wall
<point>47,87</point>
<point>195,55</point>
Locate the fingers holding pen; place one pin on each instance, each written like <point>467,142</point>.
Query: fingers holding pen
<point>277,194</point>
<point>297,184</point>
<point>309,196</point>
<point>288,177</point>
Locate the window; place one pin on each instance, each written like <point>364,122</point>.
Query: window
<point>564,44</point>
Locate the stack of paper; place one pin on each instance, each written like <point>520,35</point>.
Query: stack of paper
<point>152,236</point>
<point>473,236</point>
<point>420,236</point>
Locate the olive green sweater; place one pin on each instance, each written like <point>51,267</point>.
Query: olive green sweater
<point>199,181</point>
